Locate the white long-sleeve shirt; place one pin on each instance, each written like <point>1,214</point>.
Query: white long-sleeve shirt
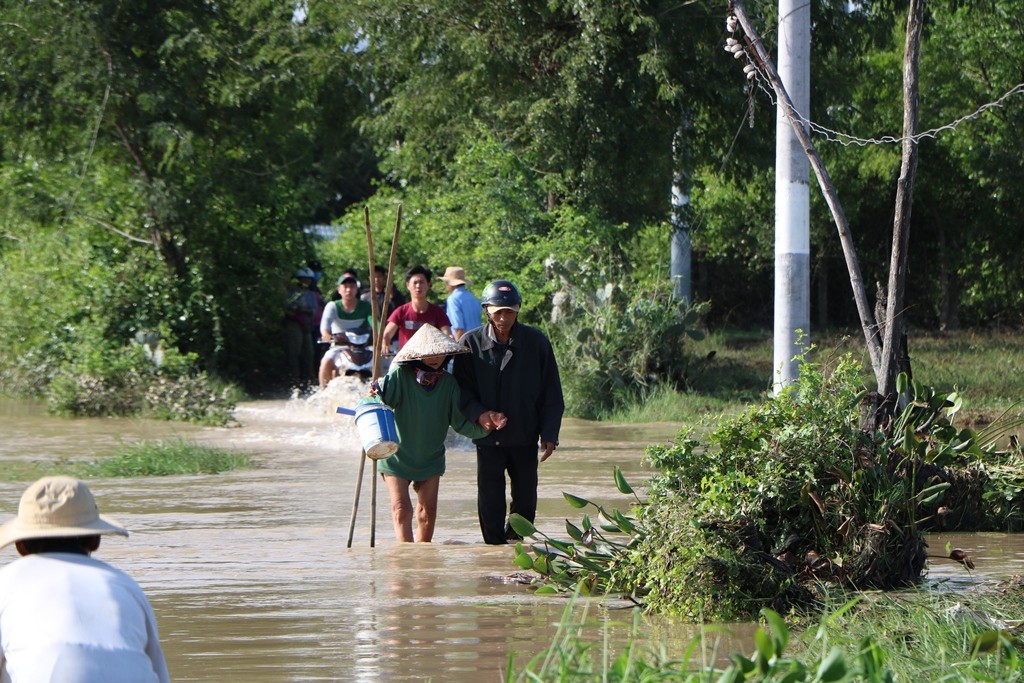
<point>75,619</point>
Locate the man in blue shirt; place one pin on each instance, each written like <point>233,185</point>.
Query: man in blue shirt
<point>462,307</point>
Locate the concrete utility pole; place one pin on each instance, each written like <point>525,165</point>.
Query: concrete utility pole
<point>681,258</point>
<point>792,197</point>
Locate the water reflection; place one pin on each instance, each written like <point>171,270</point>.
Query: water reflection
<point>251,580</point>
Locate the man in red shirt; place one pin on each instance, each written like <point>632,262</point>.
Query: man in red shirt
<point>408,318</point>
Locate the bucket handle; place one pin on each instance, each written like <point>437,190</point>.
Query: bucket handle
<point>345,411</point>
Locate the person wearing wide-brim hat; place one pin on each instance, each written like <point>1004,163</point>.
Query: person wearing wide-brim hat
<point>462,306</point>
<point>425,399</point>
<point>64,615</point>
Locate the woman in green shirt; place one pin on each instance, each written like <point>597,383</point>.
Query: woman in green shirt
<point>425,399</point>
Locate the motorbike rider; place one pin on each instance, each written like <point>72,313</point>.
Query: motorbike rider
<point>299,323</point>
<point>342,320</point>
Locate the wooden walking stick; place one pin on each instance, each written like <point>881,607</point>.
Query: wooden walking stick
<point>377,333</point>
<point>378,345</point>
<point>374,331</point>
<point>355,500</point>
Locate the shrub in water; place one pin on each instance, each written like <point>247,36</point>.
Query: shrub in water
<point>616,347</point>
<point>788,497</point>
<point>141,379</point>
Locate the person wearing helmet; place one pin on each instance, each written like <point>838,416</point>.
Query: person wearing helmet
<point>300,309</point>
<point>510,384</point>
<point>317,269</point>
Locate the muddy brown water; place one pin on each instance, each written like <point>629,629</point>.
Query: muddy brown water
<point>251,579</point>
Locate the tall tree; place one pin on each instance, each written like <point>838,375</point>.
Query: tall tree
<point>589,96</point>
<point>210,133</point>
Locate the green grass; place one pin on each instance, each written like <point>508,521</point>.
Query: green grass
<point>987,368</point>
<point>912,636</point>
<point>157,458</point>
<point>163,458</point>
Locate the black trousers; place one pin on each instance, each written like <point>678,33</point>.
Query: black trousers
<point>491,464</point>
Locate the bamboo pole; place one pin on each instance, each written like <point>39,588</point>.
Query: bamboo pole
<point>376,331</point>
<point>378,349</point>
<point>378,343</point>
<point>355,501</point>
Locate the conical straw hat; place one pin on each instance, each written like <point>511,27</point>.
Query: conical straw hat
<point>428,341</point>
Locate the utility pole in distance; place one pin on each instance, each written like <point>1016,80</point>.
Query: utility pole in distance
<point>681,259</point>
<point>792,197</point>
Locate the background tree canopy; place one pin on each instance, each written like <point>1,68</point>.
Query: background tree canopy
<point>160,163</point>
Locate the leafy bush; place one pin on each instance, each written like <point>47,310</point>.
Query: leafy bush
<point>780,501</point>
<point>615,348</point>
<point>143,379</point>
<point>937,639</point>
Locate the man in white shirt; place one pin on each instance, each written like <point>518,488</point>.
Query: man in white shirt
<point>66,616</point>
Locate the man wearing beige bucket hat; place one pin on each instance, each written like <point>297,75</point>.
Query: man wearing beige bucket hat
<point>64,615</point>
<point>462,307</point>
<point>425,399</point>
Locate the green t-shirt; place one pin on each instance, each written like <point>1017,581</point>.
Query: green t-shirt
<point>422,418</point>
<point>361,314</point>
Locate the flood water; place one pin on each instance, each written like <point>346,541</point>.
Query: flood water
<point>251,579</point>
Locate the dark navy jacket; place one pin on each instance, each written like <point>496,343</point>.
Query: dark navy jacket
<point>522,383</point>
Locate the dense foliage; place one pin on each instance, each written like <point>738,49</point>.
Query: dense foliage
<point>161,165</point>
<point>787,498</point>
<point>158,163</point>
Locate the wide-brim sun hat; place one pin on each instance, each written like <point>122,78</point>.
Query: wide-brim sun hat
<point>453,275</point>
<point>58,507</point>
<point>428,341</point>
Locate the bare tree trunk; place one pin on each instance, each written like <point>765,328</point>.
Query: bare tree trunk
<point>904,200</point>
<point>867,319</point>
<point>160,234</point>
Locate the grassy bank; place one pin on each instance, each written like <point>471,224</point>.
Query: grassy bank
<point>735,370</point>
<point>155,458</point>
<point>876,638</point>
<point>163,458</point>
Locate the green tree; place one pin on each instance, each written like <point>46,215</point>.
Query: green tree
<point>587,97</point>
<point>202,136</point>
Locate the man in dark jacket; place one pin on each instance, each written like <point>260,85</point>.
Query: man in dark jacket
<point>510,384</point>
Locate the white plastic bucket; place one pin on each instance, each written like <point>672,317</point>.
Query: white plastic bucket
<point>376,425</point>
